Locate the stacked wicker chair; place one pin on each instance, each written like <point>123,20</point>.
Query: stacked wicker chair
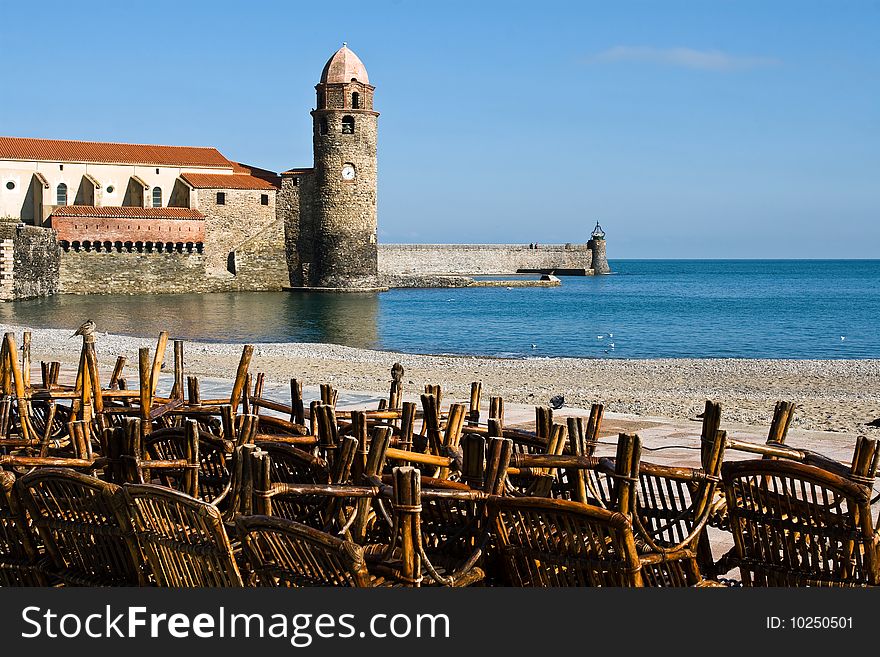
<point>281,552</point>
<point>84,528</point>
<point>796,524</point>
<point>19,553</point>
<point>183,539</point>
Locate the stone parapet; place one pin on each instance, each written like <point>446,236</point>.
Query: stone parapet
<point>477,259</point>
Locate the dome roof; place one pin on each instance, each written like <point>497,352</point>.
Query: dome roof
<point>344,66</point>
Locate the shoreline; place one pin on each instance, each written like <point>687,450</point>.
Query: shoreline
<point>832,395</point>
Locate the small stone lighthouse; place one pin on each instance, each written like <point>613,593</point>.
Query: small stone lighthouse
<point>599,263</point>
<point>344,140</point>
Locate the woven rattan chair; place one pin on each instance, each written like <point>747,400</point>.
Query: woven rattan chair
<point>280,552</point>
<point>182,538</point>
<point>84,528</point>
<point>19,555</point>
<point>795,524</point>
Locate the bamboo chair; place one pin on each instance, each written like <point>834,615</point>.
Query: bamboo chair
<point>282,552</point>
<point>206,472</point>
<point>668,506</point>
<point>182,538</point>
<point>436,536</point>
<point>450,532</point>
<point>19,553</point>
<point>289,466</point>
<point>391,529</point>
<point>800,525</point>
<point>84,528</point>
<point>171,459</point>
<point>549,543</point>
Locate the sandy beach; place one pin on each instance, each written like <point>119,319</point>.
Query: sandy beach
<point>832,395</point>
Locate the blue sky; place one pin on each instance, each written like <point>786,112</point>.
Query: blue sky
<point>689,129</point>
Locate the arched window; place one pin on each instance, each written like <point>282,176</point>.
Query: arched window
<point>321,104</point>
<point>348,125</point>
<point>62,195</point>
<point>322,127</point>
<point>157,197</point>
<point>355,100</point>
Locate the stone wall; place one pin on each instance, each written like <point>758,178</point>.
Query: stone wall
<point>244,245</point>
<point>296,209</point>
<point>469,259</point>
<point>240,218</point>
<point>121,272</point>
<point>261,266</point>
<point>28,261</point>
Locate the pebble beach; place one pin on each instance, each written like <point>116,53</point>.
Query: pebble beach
<point>832,395</point>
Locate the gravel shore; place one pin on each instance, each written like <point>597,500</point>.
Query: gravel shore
<point>832,395</point>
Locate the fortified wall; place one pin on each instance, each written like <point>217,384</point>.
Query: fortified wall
<point>172,268</point>
<point>29,259</point>
<point>487,259</point>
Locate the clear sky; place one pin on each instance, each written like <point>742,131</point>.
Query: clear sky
<point>689,129</point>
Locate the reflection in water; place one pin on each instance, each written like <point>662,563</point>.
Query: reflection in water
<point>648,309</point>
<point>234,317</point>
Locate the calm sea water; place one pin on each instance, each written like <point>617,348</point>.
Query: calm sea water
<point>646,309</point>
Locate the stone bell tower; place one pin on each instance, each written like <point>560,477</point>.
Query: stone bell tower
<point>344,138</point>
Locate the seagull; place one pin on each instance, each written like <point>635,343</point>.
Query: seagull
<point>557,402</point>
<point>87,328</point>
<point>842,338</point>
<point>534,346</point>
<point>611,344</point>
<point>610,335</point>
<point>599,337</point>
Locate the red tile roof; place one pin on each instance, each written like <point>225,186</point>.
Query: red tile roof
<point>56,150</point>
<point>298,172</point>
<point>224,181</point>
<point>116,212</point>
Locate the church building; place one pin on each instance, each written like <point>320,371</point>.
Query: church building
<point>147,218</point>
<point>104,218</point>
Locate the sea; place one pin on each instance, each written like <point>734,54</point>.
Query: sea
<point>796,309</point>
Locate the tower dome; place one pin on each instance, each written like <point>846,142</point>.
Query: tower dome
<point>344,66</point>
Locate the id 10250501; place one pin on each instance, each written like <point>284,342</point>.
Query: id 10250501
<point>810,623</point>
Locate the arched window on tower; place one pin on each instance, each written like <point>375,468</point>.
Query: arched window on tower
<point>61,196</point>
<point>348,125</point>
<point>157,197</point>
<point>321,104</point>
<point>322,127</point>
<point>355,100</point>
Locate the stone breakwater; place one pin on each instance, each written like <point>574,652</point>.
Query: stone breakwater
<point>835,395</point>
<point>471,259</point>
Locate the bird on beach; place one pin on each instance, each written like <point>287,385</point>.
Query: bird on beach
<point>397,372</point>
<point>874,423</point>
<point>87,328</point>
<point>557,402</point>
